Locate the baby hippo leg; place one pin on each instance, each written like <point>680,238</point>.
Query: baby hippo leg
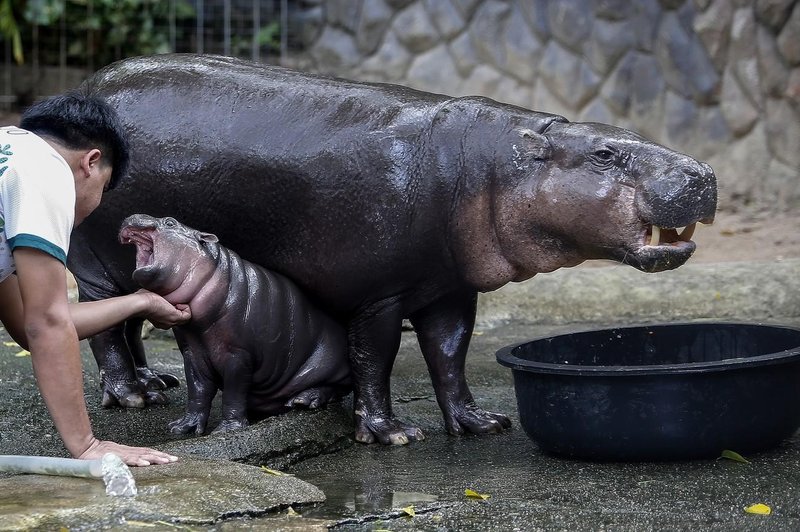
<point>237,379</point>
<point>201,392</point>
<point>325,376</point>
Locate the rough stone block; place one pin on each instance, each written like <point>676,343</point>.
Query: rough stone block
<point>390,62</point>
<point>783,131</point>
<point>343,13</point>
<point>523,49</point>
<point>464,54</point>
<point>684,61</point>
<point>415,30</point>
<point>487,29</point>
<point>434,71</point>
<point>609,41</point>
<point>446,17</point>
<point>376,16</point>
<point>773,13</point>
<point>712,26</point>
<point>645,18</point>
<point>741,166</point>
<point>789,39</point>
<point>772,68</point>
<point>739,111</point>
<point>793,87</point>
<point>535,13</point>
<point>613,9</point>
<point>466,7</point>
<point>570,22</point>
<point>635,85</point>
<point>597,111</point>
<point>783,186</point>
<point>335,49</point>
<point>568,76</point>
<point>545,101</point>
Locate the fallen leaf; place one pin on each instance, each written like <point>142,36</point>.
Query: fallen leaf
<point>736,457</point>
<point>477,333</point>
<point>760,509</point>
<point>472,494</point>
<point>9,344</point>
<point>291,511</point>
<point>409,510</point>
<point>139,523</point>
<point>23,353</point>
<point>275,472</point>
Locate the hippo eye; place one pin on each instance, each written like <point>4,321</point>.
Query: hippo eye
<point>604,155</point>
<point>170,222</point>
<point>604,158</point>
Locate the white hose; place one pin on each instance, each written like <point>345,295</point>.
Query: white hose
<point>115,474</point>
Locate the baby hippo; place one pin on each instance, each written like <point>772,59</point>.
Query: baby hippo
<point>253,334</point>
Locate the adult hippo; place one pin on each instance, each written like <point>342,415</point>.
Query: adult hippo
<point>381,202</point>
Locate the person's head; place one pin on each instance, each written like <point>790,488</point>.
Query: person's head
<point>87,131</point>
<point>81,122</point>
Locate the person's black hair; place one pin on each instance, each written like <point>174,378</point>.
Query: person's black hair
<point>81,122</point>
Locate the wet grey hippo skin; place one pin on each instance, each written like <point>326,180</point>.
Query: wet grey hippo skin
<point>253,333</point>
<point>380,202</point>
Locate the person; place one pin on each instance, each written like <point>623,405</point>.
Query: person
<point>54,169</point>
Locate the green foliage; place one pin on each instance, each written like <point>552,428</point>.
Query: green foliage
<point>119,28</point>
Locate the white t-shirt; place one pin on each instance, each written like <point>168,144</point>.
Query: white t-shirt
<point>37,197</point>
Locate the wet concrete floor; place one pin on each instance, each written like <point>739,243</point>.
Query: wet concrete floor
<point>377,488</point>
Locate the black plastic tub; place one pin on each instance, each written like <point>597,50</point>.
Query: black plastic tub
<point>660,392</point>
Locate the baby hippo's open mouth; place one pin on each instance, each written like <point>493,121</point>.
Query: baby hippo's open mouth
<point>143,240</point>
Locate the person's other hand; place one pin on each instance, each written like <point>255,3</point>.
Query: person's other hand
<point>133,456</point>
<point>164,314</point>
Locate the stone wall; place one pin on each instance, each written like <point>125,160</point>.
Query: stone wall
<point>718,79</point>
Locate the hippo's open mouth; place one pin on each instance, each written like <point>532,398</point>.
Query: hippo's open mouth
<point>143,241</point>
<point>663,248</point>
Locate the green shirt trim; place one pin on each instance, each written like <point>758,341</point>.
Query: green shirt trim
<point>36,242</point>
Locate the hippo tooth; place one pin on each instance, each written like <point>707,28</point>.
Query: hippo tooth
<point>656,236</point>
<point>687,232</point>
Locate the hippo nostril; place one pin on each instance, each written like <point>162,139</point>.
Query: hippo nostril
<point>692,172</point>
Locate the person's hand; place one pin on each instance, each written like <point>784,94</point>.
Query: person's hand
<point>133,456</point>
<point>164,314</point>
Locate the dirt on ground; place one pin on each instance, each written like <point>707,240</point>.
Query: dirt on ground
<point>734,236</point>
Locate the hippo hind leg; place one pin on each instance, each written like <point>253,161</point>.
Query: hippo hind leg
<point>317,397</point>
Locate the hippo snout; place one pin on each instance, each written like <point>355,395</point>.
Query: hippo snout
<point>684,194</point>
<point>136,222</point>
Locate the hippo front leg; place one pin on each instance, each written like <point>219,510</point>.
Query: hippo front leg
<point>200,394</point>
<point>374,340</point>
<point>237,379</point>
<point>119,381</point>
<point>151,383</point>
<point>444,330</point>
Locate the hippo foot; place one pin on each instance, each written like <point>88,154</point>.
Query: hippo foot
<point>130,395</point>
<point>470,417</point>
<point>313,397</point>
<point>386,431</point>
<point>228,425</point>
<point>150,380</point>
<point>190,423</point>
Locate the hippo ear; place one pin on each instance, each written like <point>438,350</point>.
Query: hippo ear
<point>536,145</point>
<point>207,237</point>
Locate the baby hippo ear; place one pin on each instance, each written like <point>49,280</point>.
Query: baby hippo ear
<point>207,238</point>
<point>535,145</point>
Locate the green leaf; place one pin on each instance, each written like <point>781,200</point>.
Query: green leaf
<point>736,457</point>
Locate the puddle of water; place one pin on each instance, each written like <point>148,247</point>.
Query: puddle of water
<point>346,501</point>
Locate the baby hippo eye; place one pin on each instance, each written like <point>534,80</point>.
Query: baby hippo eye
<point>170,222</point>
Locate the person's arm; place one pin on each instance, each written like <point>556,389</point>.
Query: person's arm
<point>92,317</point>
<point>53,342</point>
